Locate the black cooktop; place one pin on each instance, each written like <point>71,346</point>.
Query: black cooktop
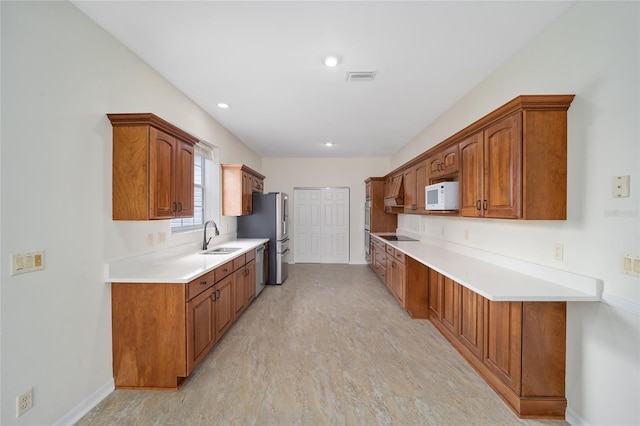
<point>397,238</point>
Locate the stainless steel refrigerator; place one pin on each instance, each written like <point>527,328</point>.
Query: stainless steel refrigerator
<point>270,219</point>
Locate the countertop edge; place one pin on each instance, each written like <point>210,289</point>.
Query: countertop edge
<point>487,279</point>
<point>179,270</point>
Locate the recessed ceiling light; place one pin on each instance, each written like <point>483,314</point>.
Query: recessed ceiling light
<point>223,105</point>
<point>328,144</point>
<point>331,60</point>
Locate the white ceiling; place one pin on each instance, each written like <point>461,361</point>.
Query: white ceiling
<point>264,59</point>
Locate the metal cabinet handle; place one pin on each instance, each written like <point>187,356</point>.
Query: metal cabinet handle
<point>484,205</point>
<point>175,207</point>
<point>179,206</point>
<point>203,282</point>
<point>217,294</point>
<point>477,204</point>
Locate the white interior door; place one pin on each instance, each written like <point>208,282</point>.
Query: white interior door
<point>307,225</point>
<point>321,225</point>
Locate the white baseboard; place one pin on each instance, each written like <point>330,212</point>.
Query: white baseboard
<point>87,404</point>
<point>574,419</point>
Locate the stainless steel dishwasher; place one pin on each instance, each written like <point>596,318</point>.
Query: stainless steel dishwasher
<point>260,278</point>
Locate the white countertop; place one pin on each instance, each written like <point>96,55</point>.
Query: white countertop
<point>182,268</point>
<point>499,283</point>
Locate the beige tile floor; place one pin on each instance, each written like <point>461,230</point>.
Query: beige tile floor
<point>329,347</point>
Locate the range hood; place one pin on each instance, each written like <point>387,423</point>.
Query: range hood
<point>394,193</point>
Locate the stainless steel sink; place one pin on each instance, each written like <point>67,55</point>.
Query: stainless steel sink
<point>222,250</point>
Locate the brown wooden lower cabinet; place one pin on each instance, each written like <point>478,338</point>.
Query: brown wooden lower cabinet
<point>471,321</point>
<point>450,305</point>
<point>517,347</point>
<point>161,332</point>
<point>405,277</point>
<point>416,301</point>
<point>201,332</point>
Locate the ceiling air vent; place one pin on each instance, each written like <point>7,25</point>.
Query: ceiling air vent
<point>360,75</point>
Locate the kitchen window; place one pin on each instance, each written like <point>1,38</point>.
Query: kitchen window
<point>205,198</point>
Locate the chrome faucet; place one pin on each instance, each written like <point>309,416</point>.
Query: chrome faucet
<point>205,242</point>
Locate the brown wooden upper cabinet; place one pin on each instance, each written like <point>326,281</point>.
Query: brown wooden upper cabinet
<point>443,163</point>
<point>239,182</point>
<point>510,164</point>
<point>152,168</point>
<point>516,168</point>
<point>415,179</point>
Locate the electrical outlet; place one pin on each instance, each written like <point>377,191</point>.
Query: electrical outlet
<point>24,402</point>
<point>149,239</point>
<point>558,250</point>
<point>162,237</point>
<point>621,186</point>
<point>466,234</point>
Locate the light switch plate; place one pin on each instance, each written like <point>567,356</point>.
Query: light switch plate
<point>30,261</point>
<point>630,264</point>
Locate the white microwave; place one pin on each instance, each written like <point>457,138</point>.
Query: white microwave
<point>441,196</point>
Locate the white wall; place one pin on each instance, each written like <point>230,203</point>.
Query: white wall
<point>592,51</point>
<point>284,174</point>
<point>60,75</point>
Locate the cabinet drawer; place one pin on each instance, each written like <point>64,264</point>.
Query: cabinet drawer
<point>200,284</point>
<point>239,262</point>
<point>378,244</point>
<point>223,270</point>
<point>250,255</point>
<point>381,257</point>
<point>390,250</point>
<point>399,255</point>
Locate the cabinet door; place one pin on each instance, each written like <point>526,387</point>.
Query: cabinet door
<point>258,185</point>
<point>503,341</point>
<point>410,205</point>
<point>184,180</point>
<point>250,282</point>
<point>451,305</point>
<point>435,290</point>
<point>400,281</point>
<point>201,333</point>
<point>434,165</point>
<point>224,305</point>
<point>471,321</point>
<point>471,175</point>
<point>421,182</point>
<point>389,277</point>
<point>162,157</point>
<point>388,184</point>
<point>450,160</point>
<point>247,193</point>
<point>503,168</point>
<point>239,299</point>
